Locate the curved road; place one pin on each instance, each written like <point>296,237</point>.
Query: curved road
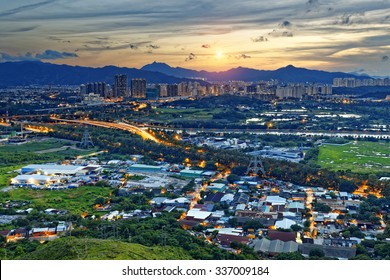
<point>122,126</point>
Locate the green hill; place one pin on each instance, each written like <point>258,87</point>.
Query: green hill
<point>70,248</point>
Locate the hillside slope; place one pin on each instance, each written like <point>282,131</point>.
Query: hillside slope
<point>70,248</point>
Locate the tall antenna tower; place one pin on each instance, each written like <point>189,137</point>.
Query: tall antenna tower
<point>86,141</point>
<point>256,164</point>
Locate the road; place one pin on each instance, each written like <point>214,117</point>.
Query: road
<point>309,200</point>
<point>122,126</point>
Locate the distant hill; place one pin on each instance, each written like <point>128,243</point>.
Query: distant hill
<point>71,248</point>
<point>35,72</point>
<point>379,92</point>
<point>40,73</point>
<point>286,74</point>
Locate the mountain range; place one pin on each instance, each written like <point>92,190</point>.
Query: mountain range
<point>288,74</point>
<point>40,73</point>
<point>36,72</point>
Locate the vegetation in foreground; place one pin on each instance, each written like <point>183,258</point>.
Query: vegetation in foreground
<point>357,156</point>
<point>71,248</point>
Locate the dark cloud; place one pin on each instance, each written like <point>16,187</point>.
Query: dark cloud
<point>259,39</point>
<point>285,24</point>
<point>54,38</point>
<point>206,46</point>
<point>191,56</point>
<point>279,33</point>
<point>133,47</point>
<point>243,56</point>
<point>312,2</point>
<point>349,19</point>
<point>46,55</point>
<point>51,55</point>
<point>8,57</point>
<point>152,47</point>
<point>25,29</point>
<point>25,8</point>
<point>101,45</point>
<point>385,58</point>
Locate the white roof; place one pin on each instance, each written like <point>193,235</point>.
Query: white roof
<point>177,200</point>
<point>294,205</point>
<point>227,197</point>
<point>216,186</point>
<point>275,199</point>
<point>230,231</point>
<point>241,206</point>
<point>289,214</point>
<point>285,223</point>
<point>55,168</point>
<point>218,214</point>
<point>199,215</point>
<point>331,216</point>
<point>35,177</point>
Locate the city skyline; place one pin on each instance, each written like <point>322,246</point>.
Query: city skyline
<point>349,36</point>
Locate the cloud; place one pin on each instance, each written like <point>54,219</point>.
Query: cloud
<point>102,45</point>
<point>279,33</point>
<point>8,57</point>
<point>25,8</point>
<point>385,58</point>
<point>285,24</point>
<point>191,56</point>
<point>312,2</point>
<point>52,55</point>
<point>152,47</point>
<point>133,47</point>
<point>259,39</point>
<point>206,46</point>
<point>46,55</point>
<point>244,56</point>
<point>351,18</point>
<point>25,29</point>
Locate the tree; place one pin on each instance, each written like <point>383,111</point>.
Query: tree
<point>252,224</point>
<point>100,200</point>
<point>233,222</point>
<point>290,256</point>
<point>382,250</point>
<point>233,178</point>
<point>296,227</point>
<point>316,253</point>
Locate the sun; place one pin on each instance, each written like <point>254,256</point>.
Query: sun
<point>219,54</point>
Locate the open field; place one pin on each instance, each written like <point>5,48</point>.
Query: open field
<point>358,156</point>
<point>35,146</point>
<point>184,114</point>
<point>76,201</point>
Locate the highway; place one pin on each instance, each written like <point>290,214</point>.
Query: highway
<point>122,126</point>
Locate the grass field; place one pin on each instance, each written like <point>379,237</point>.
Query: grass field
<point>70,248</point>
<point>76,201</point>
<point>190,114</point>
<point>358,156</point>
<point>35,146</point>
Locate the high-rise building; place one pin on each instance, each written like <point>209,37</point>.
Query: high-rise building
<point>162,90</point>
<point>138,88</point>
<point>172,90</point>
<point>120,86</point>
<point>83,89</point>
<point>100,88</point>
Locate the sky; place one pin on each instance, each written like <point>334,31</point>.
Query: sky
<point>214,35</point>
